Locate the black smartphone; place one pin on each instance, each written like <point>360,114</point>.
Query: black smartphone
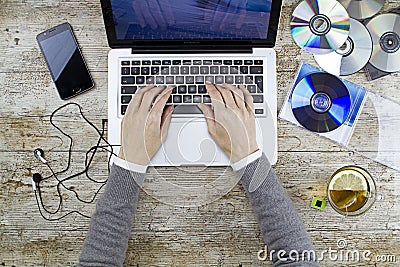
<point>65,61</point>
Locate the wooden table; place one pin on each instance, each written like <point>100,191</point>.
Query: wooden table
<point>221,233</point>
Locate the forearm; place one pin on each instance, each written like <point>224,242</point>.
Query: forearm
<point>111,224</point>
<point>280,224</point>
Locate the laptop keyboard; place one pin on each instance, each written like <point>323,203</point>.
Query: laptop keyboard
<point>188,78</point>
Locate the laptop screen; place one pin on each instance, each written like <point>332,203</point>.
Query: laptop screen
<point>191,19</point>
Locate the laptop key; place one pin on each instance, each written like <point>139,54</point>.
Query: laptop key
<point>194,70</point>
<point>127,80</point>
<point>227,62</point>
<point>202,89</point>
<point>145,71</point>
<point>219,79</point>
<point>156,62</point>
<point>123,109</point>
<point>196,62</point>
<point>244,70</point>
<point>140,79</point>
<point>177,99</point>
<point>169,80</point>
<point>146,62</point>
<point>179,80</point>
<point>159,79</point>
<point>214,70</point>
<point>217,62</point>
<point>125,99</point>
<point>182,89</point>
<point>206,99</point>
<point>184,70</point>
<point>258,62</point>
<point>176,62</point>
<point>207,62</point>
<point>238,62</point>
<point>210,79</point>
<point>135,70</point>
<point>204,70</point>
<point>164,70</point>
<point>150,80</point>
<point>125,71</point>
<point>259,111</point>
<point>234,70</point>
<point>187,99</point>
<point>125,63</point>
<point>199,79</point>
<point>174,90</point>
<point>197,99</point>
<point>187,62</point>
<point>136,62</point>
<point>155,70</point>
<point>128,89</point>
<point>229,79</point>
<point>258,98</point>
<point>248,62</point>
<point>189,79</point>
<point>224,70</point>
<point>239,79</point>
<point>256,70</point>
<point>259,82</point>
<point>252,89</point>
<point>248,79</point>
<point>166,62</point>
<point>174,70</point>
<point>192,89</point>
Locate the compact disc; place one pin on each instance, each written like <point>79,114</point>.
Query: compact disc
<point>320,102</point>
<point>385,34</point>
<point>362,9</point>
<point>320,26</point>
<point>350,57</point>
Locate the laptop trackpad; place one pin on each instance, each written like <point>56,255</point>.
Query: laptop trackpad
<point>188,143</point>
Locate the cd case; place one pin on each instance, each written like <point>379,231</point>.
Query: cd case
<point>371,125</point>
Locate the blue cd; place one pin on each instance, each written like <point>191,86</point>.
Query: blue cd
<point>320,102</point>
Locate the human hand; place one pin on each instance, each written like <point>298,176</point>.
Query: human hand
<point>155,13</point>
<point>232,123</point>
<point>145,126</point>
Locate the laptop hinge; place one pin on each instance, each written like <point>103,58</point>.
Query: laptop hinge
<point>190,50</point>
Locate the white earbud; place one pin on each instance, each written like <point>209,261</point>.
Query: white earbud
<point>38,153</point>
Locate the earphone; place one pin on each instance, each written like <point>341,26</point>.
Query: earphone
<point>39,154</point>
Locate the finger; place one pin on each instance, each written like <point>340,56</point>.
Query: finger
<point>149,98</point>
<point>148,16</point>
<point>157,14</point>
<point>209,116</point>
<point>136,101</point>
<point>166,7</point>
<point>139,14</point>
<point>166,121</point>
<point>239,97</point>
<point>215,95</point>
<point>227,95</point>
<point>248,99</point>
<point>242,10</point>
<point>160,102</point>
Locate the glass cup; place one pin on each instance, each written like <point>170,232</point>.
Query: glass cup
<point>351,191</point>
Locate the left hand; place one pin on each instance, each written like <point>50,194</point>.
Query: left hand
<point>145,125</point>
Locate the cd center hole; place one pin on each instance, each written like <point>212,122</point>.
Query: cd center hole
<point>320,24</point>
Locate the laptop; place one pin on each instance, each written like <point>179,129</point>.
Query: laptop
<point>185,44</point>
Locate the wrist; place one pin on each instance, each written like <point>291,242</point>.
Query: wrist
<point>137,159</point>
<point>236,158</point>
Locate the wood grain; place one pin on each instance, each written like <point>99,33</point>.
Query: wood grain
<point>220,233</point>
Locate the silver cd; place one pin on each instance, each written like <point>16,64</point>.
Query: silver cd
<point>362,9</point>
<point>320,26</point>
<point>352,56</point>
<point>385,34</point>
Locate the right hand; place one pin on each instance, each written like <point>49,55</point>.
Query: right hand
<point>232,123</point>
<point>156,14</point>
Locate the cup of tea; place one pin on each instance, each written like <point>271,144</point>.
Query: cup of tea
<point>351,191</point>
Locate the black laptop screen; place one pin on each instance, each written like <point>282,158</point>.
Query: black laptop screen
<point>191,19</point>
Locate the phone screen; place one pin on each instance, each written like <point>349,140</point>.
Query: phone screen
<point>65,61</point>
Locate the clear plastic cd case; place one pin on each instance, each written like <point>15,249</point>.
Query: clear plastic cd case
<point>360,120</point>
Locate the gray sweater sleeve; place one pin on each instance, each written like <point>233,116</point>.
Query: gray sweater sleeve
<point>280,224</point>
<point>111,224</point>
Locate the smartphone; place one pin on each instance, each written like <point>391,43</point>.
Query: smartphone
<point>65,61</point>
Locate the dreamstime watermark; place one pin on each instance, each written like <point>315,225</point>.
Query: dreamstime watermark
<point>340,253</point>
